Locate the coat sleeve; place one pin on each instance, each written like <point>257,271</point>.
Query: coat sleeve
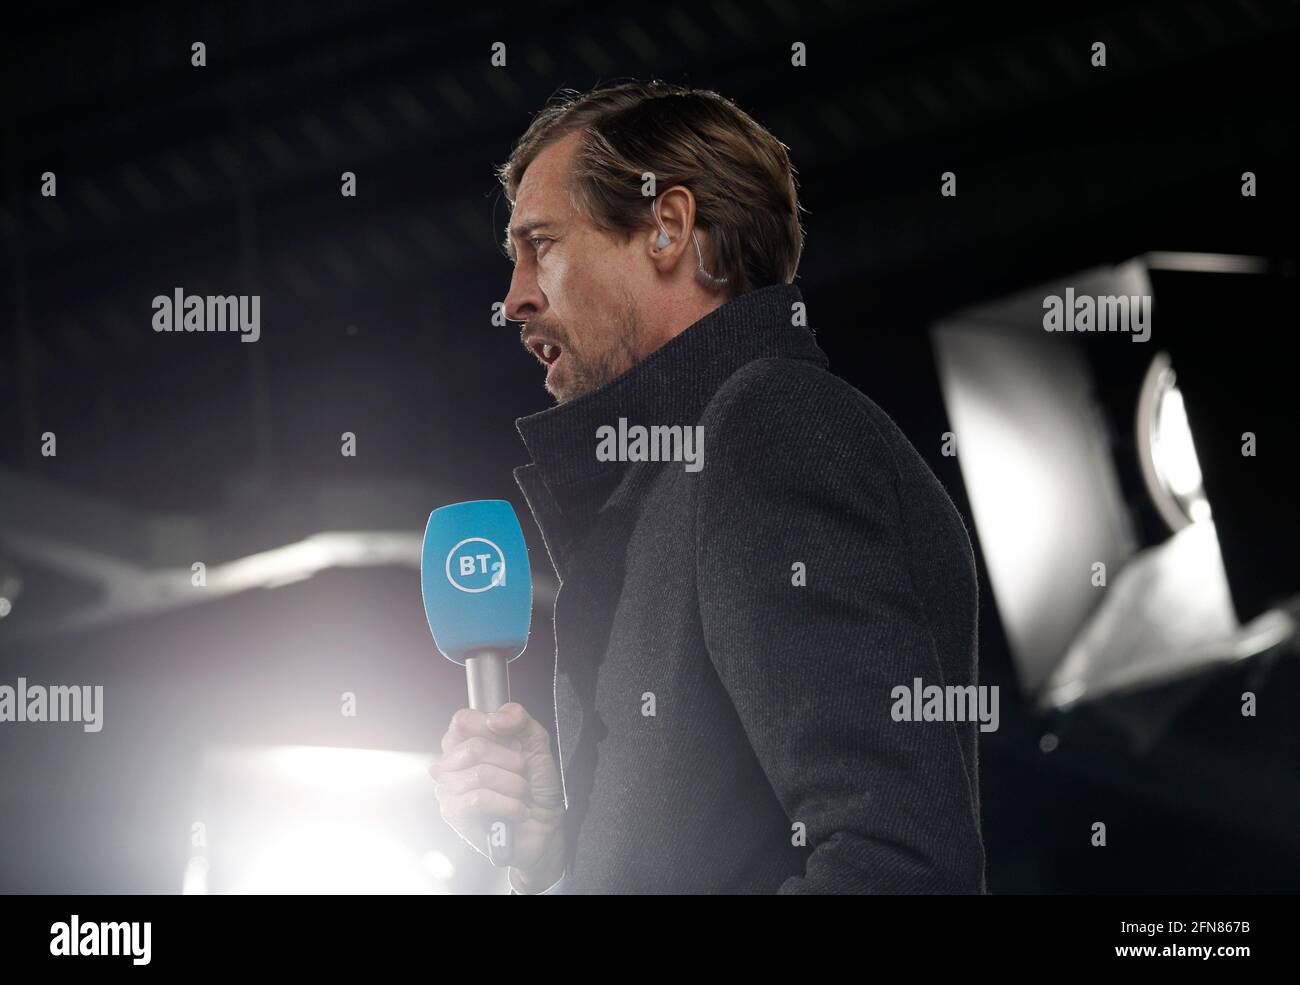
<point>800,477</point>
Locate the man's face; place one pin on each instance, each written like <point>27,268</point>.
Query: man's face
<point>574,287</point>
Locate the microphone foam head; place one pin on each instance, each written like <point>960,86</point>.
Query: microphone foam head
<point>475,579</point>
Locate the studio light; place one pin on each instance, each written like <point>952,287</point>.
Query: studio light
<point>318,819</point>
<point>1167,453</point>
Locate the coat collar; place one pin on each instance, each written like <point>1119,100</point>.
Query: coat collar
<point>565,484</point>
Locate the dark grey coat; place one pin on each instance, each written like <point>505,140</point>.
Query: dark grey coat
<point>771,702</point>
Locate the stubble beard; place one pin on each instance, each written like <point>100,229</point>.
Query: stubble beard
<point>585,372</point>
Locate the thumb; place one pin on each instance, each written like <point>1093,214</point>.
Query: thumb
<point>508,718</point>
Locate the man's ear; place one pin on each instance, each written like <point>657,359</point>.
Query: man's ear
<point>669,236</point>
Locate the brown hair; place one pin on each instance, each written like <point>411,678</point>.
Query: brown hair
<point>739,173</point>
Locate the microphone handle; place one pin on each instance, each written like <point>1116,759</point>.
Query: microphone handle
<point>489,688</point>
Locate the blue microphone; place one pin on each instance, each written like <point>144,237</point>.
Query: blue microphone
<point>478,597</point>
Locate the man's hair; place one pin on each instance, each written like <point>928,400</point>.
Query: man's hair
<point>739,173</point>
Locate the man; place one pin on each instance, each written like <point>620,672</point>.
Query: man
<point>741,592</point>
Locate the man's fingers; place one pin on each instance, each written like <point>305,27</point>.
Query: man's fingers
<point>484,776</point>
<point>477,750</point>
<point>467,722</point>
<point>481,804</point>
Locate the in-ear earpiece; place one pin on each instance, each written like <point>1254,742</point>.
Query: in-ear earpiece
<point>663,239</point>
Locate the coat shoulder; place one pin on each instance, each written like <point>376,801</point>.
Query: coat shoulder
<point>805,406</point>
<point>796,416</point>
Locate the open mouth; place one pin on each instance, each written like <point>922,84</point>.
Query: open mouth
<point>547,352</point>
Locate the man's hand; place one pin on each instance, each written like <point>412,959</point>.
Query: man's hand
<point>500,767</point>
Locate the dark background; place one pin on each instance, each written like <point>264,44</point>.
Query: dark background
<point>376,319</point>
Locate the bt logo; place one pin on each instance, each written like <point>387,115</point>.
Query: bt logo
<point>476,565</point>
